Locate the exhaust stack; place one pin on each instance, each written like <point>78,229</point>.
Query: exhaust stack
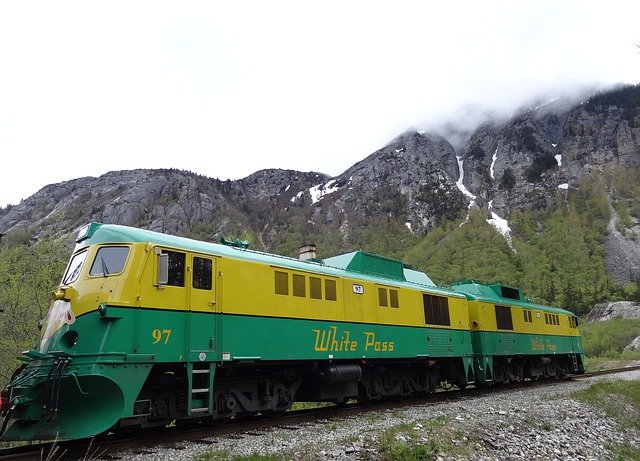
<point>307,252</point>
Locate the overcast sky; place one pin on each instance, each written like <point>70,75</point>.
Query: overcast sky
<point>227,88</point>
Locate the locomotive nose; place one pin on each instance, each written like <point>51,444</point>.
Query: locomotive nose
<point>79,414</point>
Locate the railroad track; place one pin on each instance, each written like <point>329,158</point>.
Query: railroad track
<point>106,447</point>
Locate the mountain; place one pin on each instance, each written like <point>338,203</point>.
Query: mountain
<point>412,185</point>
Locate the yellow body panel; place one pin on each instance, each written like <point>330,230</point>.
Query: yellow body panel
<point>248,288</point>
<point>483,318</point>
<point>251,289</point>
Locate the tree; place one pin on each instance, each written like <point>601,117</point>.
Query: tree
<point>27,276</point>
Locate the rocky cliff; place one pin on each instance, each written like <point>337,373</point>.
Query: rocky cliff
<point>418,180</point>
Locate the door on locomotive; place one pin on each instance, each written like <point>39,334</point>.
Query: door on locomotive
<point>202,308</point>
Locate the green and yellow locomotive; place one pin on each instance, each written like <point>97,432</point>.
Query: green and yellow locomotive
<point>147,328</point>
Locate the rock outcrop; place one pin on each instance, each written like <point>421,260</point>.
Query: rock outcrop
<point>612,310</point>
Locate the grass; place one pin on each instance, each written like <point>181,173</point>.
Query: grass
<point>424,440</point>
<point>608,363</point>
<point>613,396</point>
<point>624,452</point>
<point>619,399</point>
<point>402,443</point>
<point>309,405</point>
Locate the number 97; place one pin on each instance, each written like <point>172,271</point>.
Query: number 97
<point>158,334</point>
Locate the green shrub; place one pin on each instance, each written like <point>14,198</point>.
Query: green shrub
<point>608,338</point>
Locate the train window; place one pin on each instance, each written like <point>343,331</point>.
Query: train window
<point>436,310</point>
<point>109,260</point>
<point>74,267</point>
<point>176,268</point>
<point>202,273</point>
<point>546,318</point>
<point>282,283</point>
<point>503,317</point>
<point>393,298</point>
<point>299,288</point>
<point>382,297</point>
<point>528,317</point>
<point>330,292</point>
<point>315,288</point>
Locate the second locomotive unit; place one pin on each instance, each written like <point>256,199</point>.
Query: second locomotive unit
<point>146,329</point>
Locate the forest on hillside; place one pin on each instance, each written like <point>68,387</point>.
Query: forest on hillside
<point>555,256</point>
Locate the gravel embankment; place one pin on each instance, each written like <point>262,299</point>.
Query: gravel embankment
<point>538,424</point>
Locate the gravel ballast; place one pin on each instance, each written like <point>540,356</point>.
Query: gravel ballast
<point>542,423</point>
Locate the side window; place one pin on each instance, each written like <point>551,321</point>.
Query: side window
<point>176,268</point>
<point>436,310</point>
<point>299,288</point>
<point>382,297</point>
<point>202,273</point>
<point>393,298</point>
<point>503,318</point>
<point>282,283</point>
<point>109,260</point>
<point>527,315</point>
<point>330,292</point>
<point>573,322</point>
<point>315,288</point>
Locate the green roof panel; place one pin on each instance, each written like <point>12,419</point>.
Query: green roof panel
<point>369,263</point>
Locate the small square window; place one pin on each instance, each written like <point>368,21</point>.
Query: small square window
<point>299,288</point>
<point>393,298</point>
<point>315,288</point>
<point>330,291</point>
<point>282,283</point>
<point>382,297</point>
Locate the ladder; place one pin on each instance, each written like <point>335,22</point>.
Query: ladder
<point>574,359</point>
<point>200,388</point>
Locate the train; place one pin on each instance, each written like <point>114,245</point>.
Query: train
<point>147,329</point>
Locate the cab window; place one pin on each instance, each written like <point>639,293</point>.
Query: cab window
<point>109,260</point>
<point>202,273</point>
<point>74,267</point>
<point>176,268</point>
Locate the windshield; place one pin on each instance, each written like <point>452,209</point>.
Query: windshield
<point>109,260</point>
<point>74,267</point>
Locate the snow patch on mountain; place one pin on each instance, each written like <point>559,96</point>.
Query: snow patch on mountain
<point>493,162</point>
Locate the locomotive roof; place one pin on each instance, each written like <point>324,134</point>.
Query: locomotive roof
<point>360,264</point>
<point>497,293</point>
